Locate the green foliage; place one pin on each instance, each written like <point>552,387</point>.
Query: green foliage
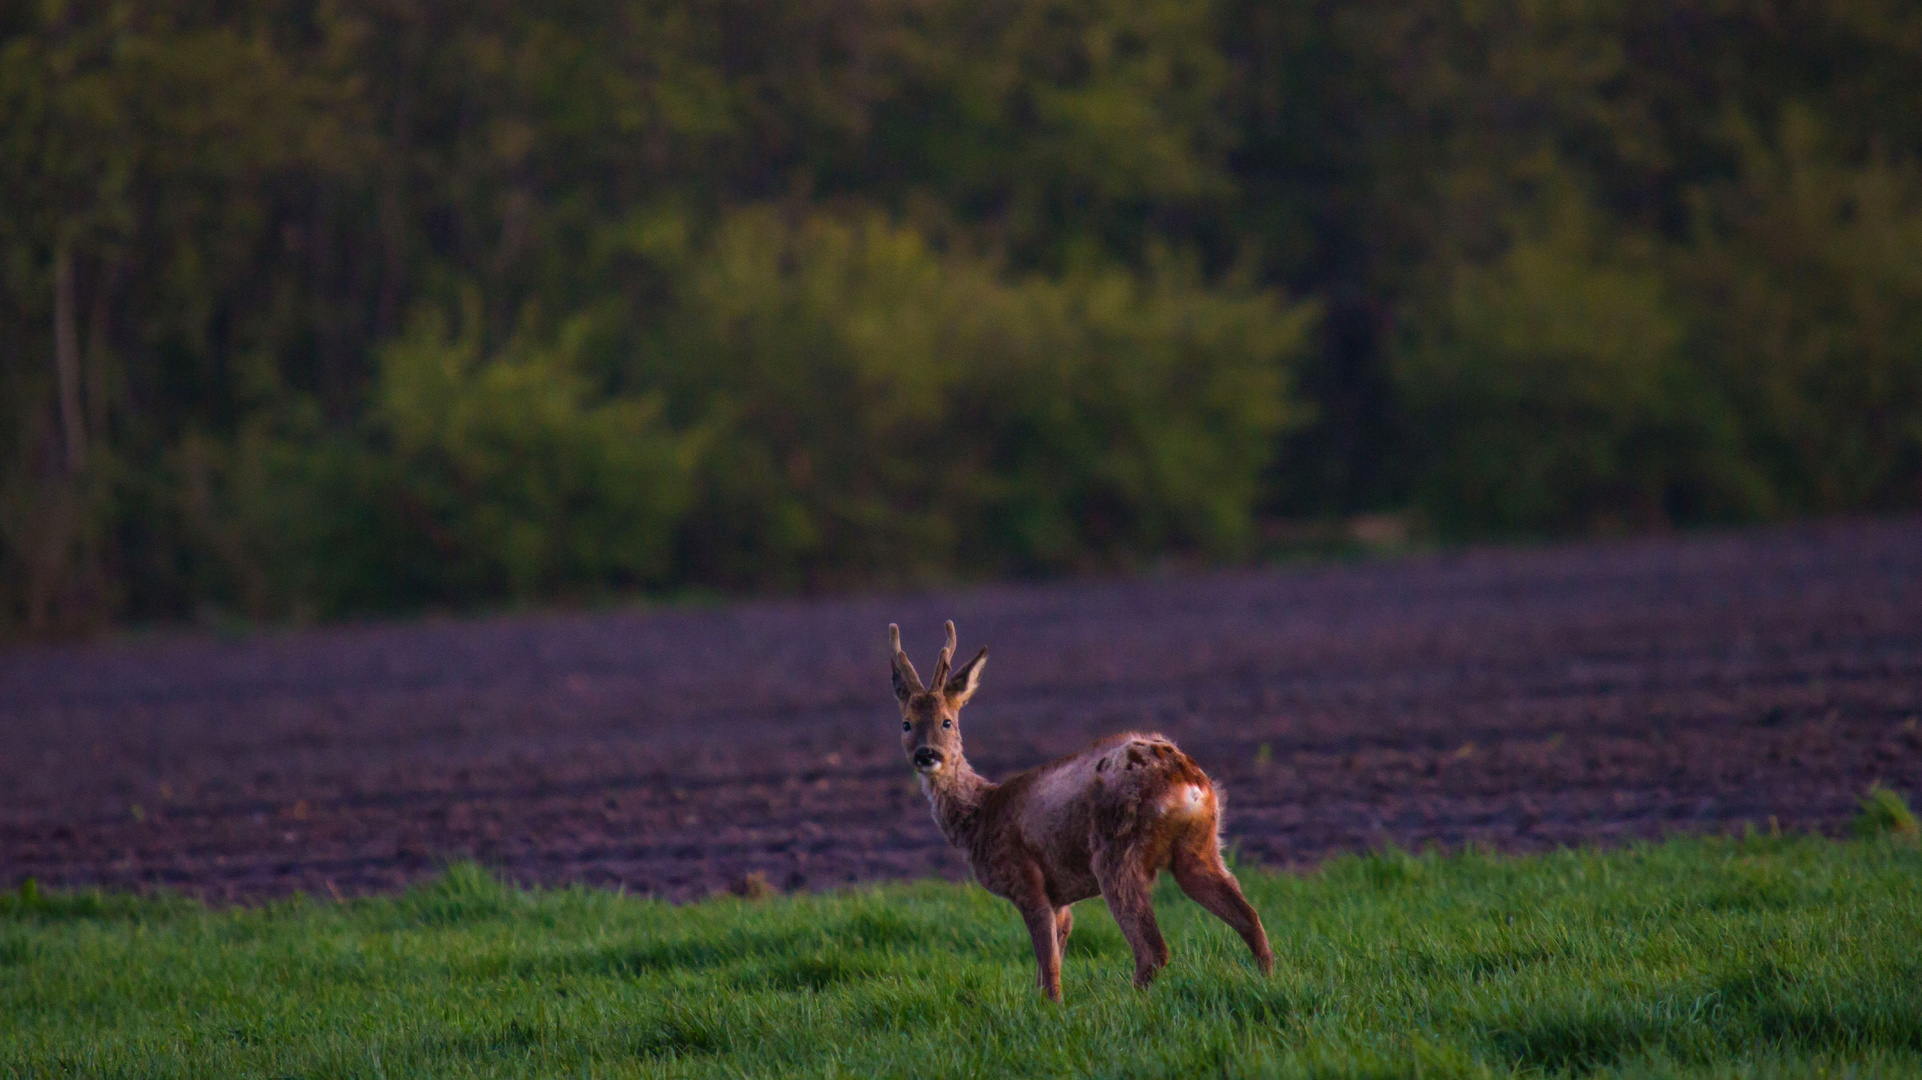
<point>503,477</point>
<point>1809,279</point>
<point>1766,956</point>
<point>1740,248</point>
<point>833,401</point>
<point>1553,393</point>
<point>806,294</point>
<point>895,412</point>
<point>512,478</point>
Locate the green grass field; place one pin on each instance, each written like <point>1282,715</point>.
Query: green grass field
<point>1763,956</point>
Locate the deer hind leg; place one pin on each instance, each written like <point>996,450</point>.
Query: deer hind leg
<point>1063,925</point>
<point>1124,885</point>
<point>1199,871</point>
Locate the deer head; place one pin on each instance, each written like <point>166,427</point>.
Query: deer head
<point>931,719</point>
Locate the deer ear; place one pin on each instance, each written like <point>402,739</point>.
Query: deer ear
<point>906,682</point>
<point>962,686</point>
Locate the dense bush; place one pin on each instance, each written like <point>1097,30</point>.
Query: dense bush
<point>1808,289</point>
<point>1552,391</point>
<point>472,477</point>
<point>887,411</point>
<point>849,406</point>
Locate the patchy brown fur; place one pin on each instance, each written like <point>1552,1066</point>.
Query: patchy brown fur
<point>1103,822</point>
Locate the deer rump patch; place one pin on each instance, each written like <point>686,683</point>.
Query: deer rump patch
<point>1144,783</point>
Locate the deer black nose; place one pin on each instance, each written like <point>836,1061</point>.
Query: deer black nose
<point>926,757</point>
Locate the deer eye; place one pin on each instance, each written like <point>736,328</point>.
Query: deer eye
<point>947,723</point>
<point>907,725</point>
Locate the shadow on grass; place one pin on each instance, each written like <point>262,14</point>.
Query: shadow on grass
<point>1760,1006</point>
<point>16,949</point>
<point>684,1033</point>
<point>680,1032</point>
<point>816,972</point>
<point>1498,961</point>
<point>808,956</point>
<point>1582,1042</point>
<point>1251,1002</point>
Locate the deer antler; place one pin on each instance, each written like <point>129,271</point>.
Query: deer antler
<point>906,680</point>
<point>947,657</point>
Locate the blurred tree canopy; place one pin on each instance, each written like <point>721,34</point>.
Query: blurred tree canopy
<point>311,307</point>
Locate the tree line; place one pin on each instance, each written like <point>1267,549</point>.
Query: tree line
<point>317,307</point>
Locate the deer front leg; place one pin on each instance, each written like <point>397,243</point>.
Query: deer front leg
<point>1026,887</point>
<point>1124,885</point>
<point>1042,925</point>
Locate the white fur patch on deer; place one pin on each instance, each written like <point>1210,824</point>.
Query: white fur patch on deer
<point>1102,822</point>
<point>1185,799</point>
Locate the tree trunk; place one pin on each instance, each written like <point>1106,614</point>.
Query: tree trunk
<point>99,353</point>
<point>66,357</point>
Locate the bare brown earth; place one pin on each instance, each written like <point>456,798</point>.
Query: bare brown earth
<point>1518,699</point>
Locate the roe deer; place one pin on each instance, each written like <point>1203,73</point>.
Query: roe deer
<point>1105,821</point>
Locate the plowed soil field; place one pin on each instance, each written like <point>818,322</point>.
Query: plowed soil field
<point>1515,698</point>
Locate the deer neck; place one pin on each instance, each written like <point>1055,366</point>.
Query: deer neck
<point>956,795</point>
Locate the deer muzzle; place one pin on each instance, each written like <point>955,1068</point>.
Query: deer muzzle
<point>927,758</point>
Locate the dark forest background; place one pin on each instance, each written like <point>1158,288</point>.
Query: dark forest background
<point>319,307</point>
